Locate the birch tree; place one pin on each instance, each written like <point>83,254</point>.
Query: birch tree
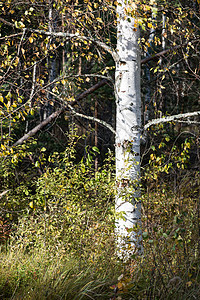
<point>128,124</point>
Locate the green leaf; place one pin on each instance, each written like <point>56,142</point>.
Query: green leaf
<point>145,235</point>
<point>95,149</point>
<point>154,10</point>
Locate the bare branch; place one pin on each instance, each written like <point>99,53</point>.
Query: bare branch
<point>19,47</point>
<point>38,127</point>
<point>91,89</point>
<point>160,54</point>
<point>33,83</point>
<point>171,119</point>
<point>189,122</point>
<point>58,112</point>
<point>3,193</point>
<point>10,36</point>
<point>101,122</point>
<point>7,23</point>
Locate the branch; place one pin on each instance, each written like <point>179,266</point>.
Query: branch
<point>3,193</point>
<point>69,36</point>
<point>189,122</point>
<point>171,119</point>
<point>77,76</point>
<point>158,55</point>
<point>10,36</point>
<point>162,53</point>
<point>58,112</point>
<point>94,119</point>
<point>38,127</point>
<point>101,122</point>
<point>33,83</point>
<point>80,37</point>
<point>91,89</point>
<point>19,47</point>
<point>7,23</point>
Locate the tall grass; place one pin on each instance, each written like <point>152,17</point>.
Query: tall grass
<point>169,268</point>
<point>42,274</point>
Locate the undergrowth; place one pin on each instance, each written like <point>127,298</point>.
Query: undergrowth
<point>58,241</point>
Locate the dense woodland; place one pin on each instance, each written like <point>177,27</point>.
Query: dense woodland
<point>58,186</point>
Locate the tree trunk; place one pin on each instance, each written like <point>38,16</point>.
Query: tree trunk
<point>128,127</point>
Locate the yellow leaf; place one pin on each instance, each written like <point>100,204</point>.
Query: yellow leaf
<point>149,25</point>
<point>120,286</point>
<point>32,112</point>
<point>112,287</point>
<point>189,283</point>
<point>17,60</point>
<point>3,147</point>
<point>31,204</point>
<point>152,157</point>
<point>99,19</point>
<point>31,39</point>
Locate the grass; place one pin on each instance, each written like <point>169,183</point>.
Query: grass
<point>41,275</point>
<point>168,270</point>
<point>46,274</point>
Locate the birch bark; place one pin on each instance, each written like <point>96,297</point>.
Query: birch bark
<point>128,125</point>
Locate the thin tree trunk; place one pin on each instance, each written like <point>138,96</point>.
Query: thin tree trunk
<point>96,133</point>
<point>128,127</point>
<point>147,100</point>
<point>51,63</point>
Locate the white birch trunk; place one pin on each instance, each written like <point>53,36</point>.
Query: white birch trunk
<point>163,31</point>
<point>128,124</point>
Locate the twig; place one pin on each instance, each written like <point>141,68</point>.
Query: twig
<point>3,193</point>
